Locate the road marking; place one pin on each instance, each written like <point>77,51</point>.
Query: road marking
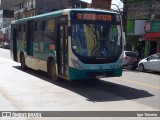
<point>139,83</point>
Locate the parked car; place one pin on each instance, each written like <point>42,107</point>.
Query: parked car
<point>4,45</point>
<point>130,60</point>
<point>151,63</point>
<point>1,44</point>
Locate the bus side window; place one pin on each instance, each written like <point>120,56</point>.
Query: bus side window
<point>21,35</point>
<point>20,28</point>
<point>16,28</point>
<point>43,25</point>
<point>38,31</point>
<point>48,33</point>
<point>20,32</point>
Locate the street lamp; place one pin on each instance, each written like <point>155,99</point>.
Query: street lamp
<point>117,7</point>
<point>123,30</point>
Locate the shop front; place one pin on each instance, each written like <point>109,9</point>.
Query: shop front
<point>152,37</point>
<point>135,33</point>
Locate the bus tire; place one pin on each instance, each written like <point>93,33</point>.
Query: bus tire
<point>22,60</point>
<point>52,71</point>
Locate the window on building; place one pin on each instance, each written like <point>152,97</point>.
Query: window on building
<point>29,14</point>
<point>27,3</point>
<point>31,2</point>
<point>32,13</point>
<point>21,16</point>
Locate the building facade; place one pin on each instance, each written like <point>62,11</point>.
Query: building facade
<point>148,12</point>
<point>101,4</point>
<point>28,8</point>
<point>152,36</point>
<point>143,9</point>
<point>8,4</point>
<point>6,16</point>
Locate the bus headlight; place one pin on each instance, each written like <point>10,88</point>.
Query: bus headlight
<point>120,62</point>
<point>76,64</point>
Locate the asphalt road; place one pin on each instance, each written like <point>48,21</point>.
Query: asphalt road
<point>143,88</point>
<point>33,91</point>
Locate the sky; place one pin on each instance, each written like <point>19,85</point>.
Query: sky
<point>117,2</point>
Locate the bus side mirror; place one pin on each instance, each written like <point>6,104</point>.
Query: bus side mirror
<point>69,31</point>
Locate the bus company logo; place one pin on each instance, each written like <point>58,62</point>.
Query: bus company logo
<point>6,114</point>
<point>21,114</point>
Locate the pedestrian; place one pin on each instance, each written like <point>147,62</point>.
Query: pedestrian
<point>136,53</point>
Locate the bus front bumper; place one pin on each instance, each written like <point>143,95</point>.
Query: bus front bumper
<point>76,74</point>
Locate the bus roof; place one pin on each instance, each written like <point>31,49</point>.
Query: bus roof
<point>58,13</point>
<point>91,9</point>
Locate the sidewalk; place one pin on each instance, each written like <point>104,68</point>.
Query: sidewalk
<point>5,53</point>
<point>5,104</point>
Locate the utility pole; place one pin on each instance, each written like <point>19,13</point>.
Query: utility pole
<point>124,15</point>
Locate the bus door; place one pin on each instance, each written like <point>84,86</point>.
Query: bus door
<point>62,52</point>
<point>29,38</point>
<point>14,42</point>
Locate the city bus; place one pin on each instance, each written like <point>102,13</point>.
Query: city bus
<point>73,44</point>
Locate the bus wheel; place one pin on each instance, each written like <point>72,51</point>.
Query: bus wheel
<point>22,59</point>
<point>53,73</point>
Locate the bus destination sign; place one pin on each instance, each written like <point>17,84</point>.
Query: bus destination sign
<point>93,16</point>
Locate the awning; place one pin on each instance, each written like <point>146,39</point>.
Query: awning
<point>150,36</point>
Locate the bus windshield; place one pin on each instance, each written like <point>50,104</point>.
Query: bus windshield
<point>96,40</point>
